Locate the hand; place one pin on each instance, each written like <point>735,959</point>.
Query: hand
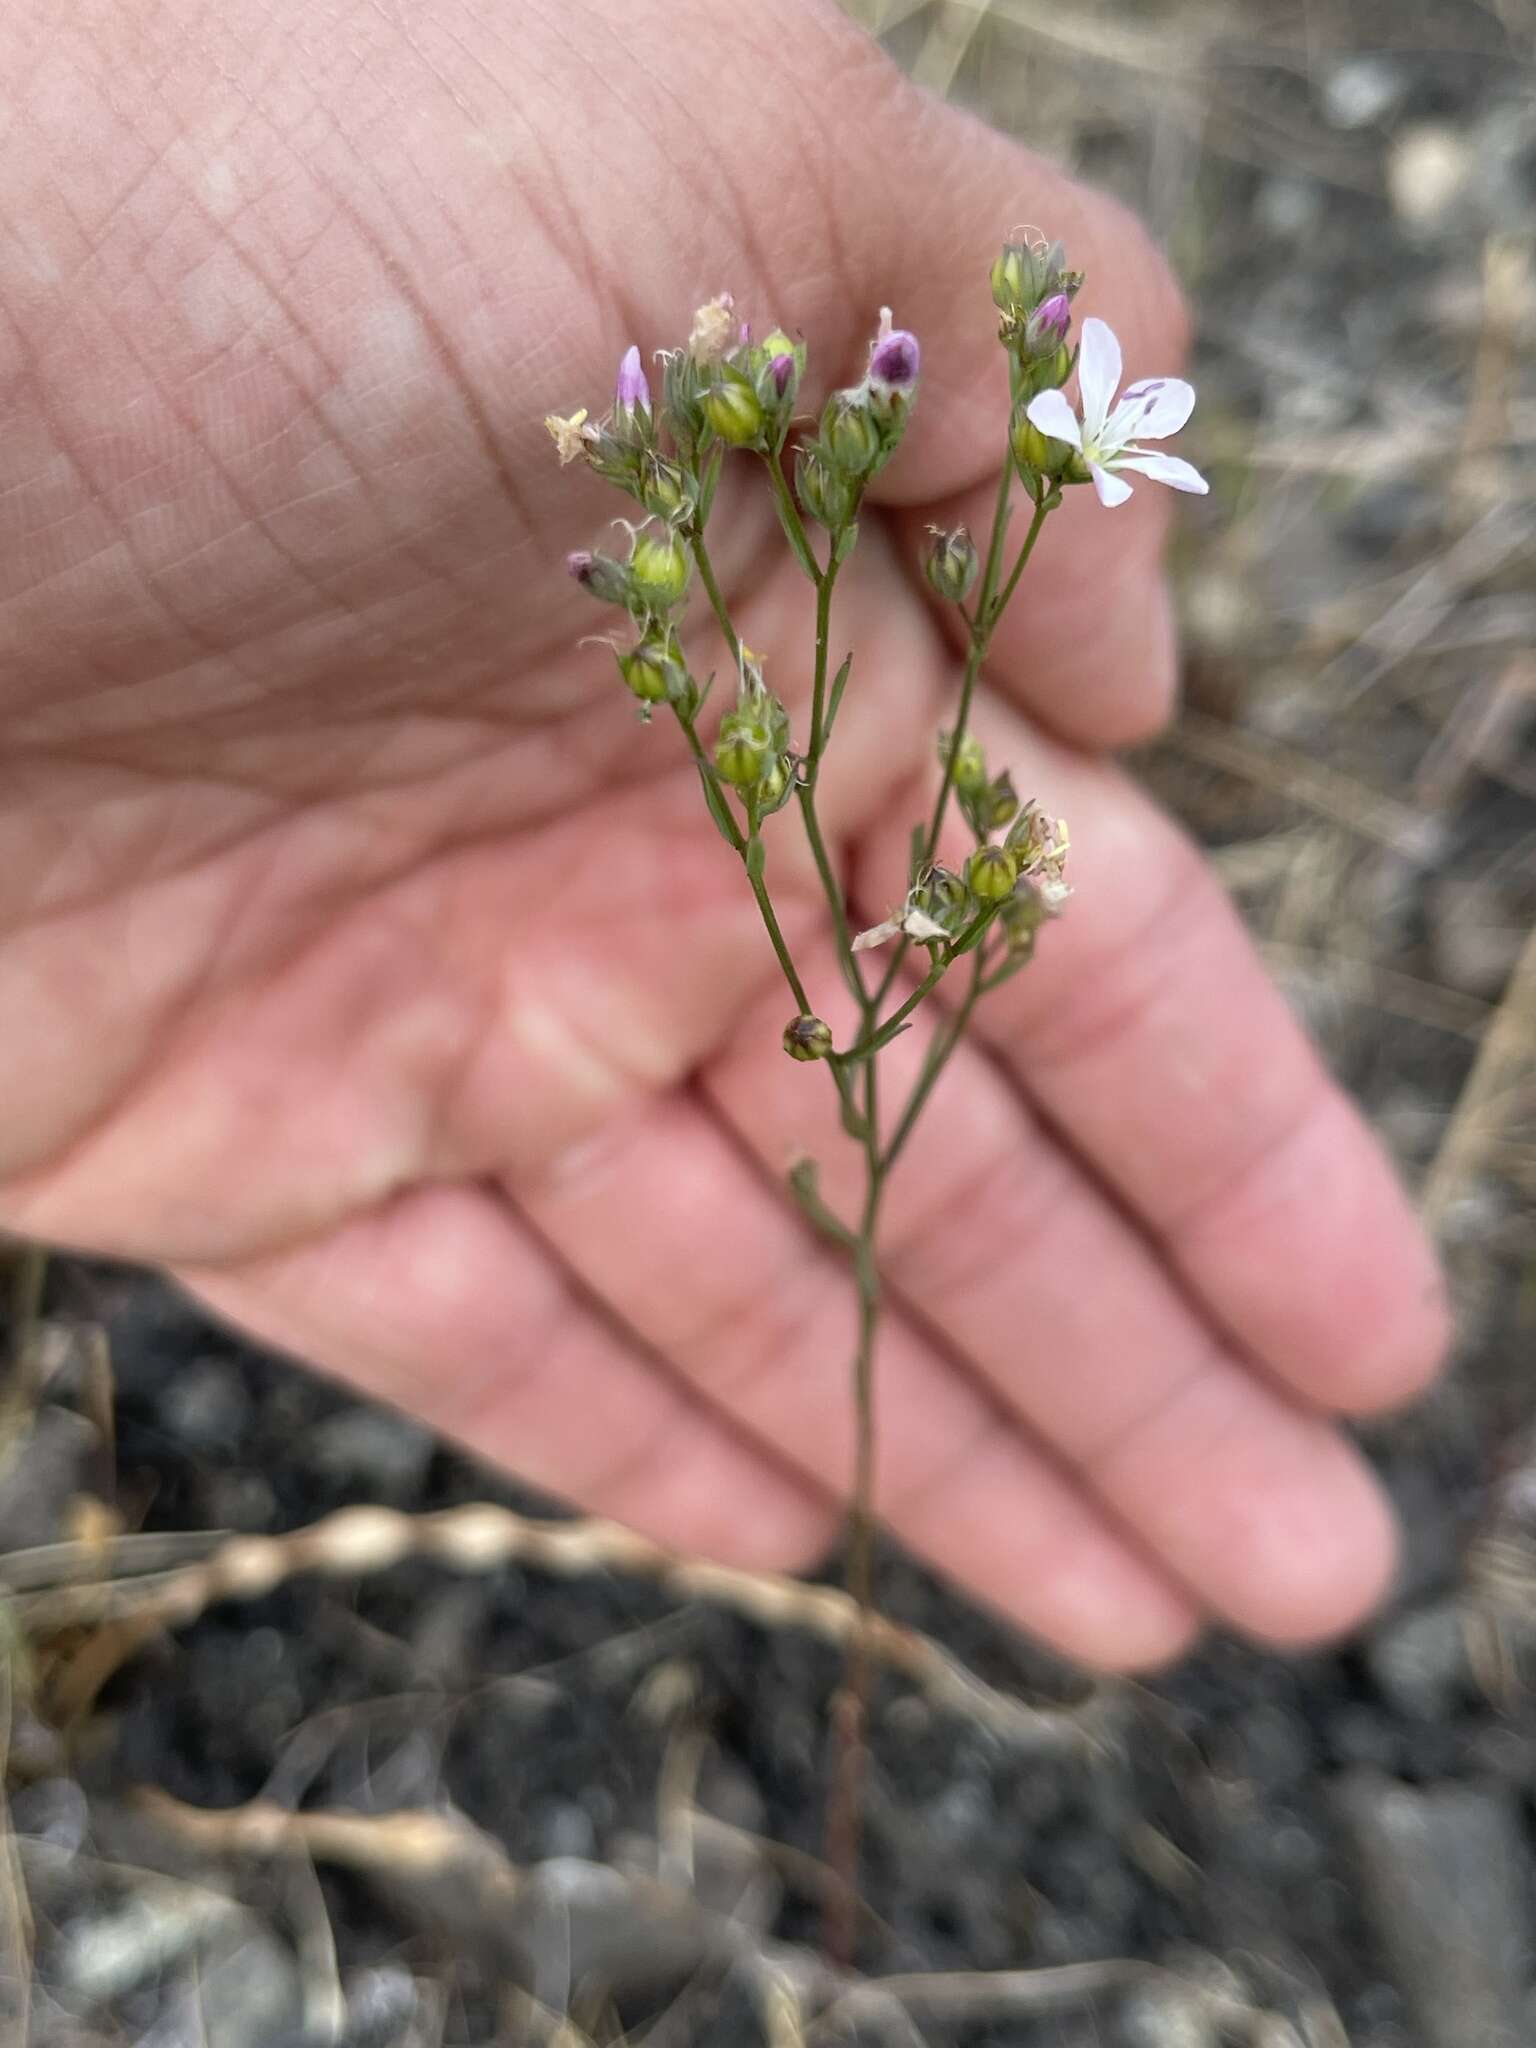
<point>361,959</point>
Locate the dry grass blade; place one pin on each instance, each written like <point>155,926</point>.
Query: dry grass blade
<point>1300,779</point>
<point>1383,988</point>
<point>1509,1044</point>
<point>482,1537</point>
<point>15,1908</point>
<point>413,1842</point>
<point>981,1995</point>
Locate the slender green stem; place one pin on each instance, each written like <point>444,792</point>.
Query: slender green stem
<point>789,517</point>
<point>847,959</point>
<point>824,588</point>
<point>743,842</point>
<point>863,1047</point>
<point>711,775</point>
<point>717,605</point>
<point>851,1707</point>
<point>983,620</point>
<point>1021,561</point>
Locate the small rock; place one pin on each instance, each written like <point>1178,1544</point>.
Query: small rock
<point>381,2004</point>
<point>374,1447</point>
<point>1288,207</point>
<point>1446,1887</point>
<point>103,1953</point>
<point>1428,169</point>
<point>53,1811</point>
<point>207,1405</point>
<point>1475,939</point>
<point>1419,1660</point>
<point>1360,91</point>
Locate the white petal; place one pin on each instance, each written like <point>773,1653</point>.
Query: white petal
<point>1154,408</point>
<point>1051,413</point>
<point>1112,490</point>
<point>876,935</point>
<point>917,924</point>
<point>1098,374</point>
<point>1165,469</point>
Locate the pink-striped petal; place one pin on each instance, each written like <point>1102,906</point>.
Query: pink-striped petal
<point>1153,409</point>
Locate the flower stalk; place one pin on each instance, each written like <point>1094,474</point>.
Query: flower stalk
<point>724,398</point>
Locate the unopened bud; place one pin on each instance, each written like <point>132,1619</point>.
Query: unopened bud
<point>895,360</point>
<point>682,391</point>
<point>735,412</point>
<point>951,564</point>
<point>645,670</point>
<point>807,1038</point>
<point>600,575</point>
<point>632,396</point>
<point>849,434</point>
<point>664,489</point>
<point>827,492</point>
<point>1012,277</point>
<point>1036,453</point>
<point>743,752</point>
<point>943,895</point>
<point>991,873</point>
<point>1046,328</point>
<point>997,803</point>
<point>776,785</point>
<point>658,570</point>
<point>969,773</point>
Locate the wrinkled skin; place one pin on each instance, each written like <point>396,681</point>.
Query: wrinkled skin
<point>364,963</point>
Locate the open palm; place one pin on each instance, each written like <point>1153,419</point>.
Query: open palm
<point>365,963</point>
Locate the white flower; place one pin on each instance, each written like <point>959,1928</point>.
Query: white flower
<point>917,924</point>
<point>570,436</point>
<point>714,329</point>
<point>1108,433</point>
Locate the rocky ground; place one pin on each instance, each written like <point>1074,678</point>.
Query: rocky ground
<point>1344,1842</point>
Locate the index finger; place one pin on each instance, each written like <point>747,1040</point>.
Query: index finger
<point>1088,646</point>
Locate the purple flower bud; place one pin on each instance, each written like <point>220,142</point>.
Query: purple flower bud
<point>1048,324</point>
<point>782,369</point>
<point>633,394</point>
<point>894,361</point>
<point>600,576</point>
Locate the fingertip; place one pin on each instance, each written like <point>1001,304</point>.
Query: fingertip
<point>1324,1554</point>
<point>1320,1592</point>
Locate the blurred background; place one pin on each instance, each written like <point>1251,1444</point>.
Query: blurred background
<point>1338,1851</point>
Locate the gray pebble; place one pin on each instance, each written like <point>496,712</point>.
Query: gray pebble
<point>1445,1883</point>
<point>1419,1660</point>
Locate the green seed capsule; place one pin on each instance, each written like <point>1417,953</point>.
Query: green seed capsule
<point>807,1038</point>
<point>735,412</point>
<point>992,872</point>
<point>658,570</point>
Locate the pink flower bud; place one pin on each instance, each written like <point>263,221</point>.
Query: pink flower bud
<point>894,362</point>
<point>633,393</point>
<point>1047,326</point>
<point>782,370</point>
